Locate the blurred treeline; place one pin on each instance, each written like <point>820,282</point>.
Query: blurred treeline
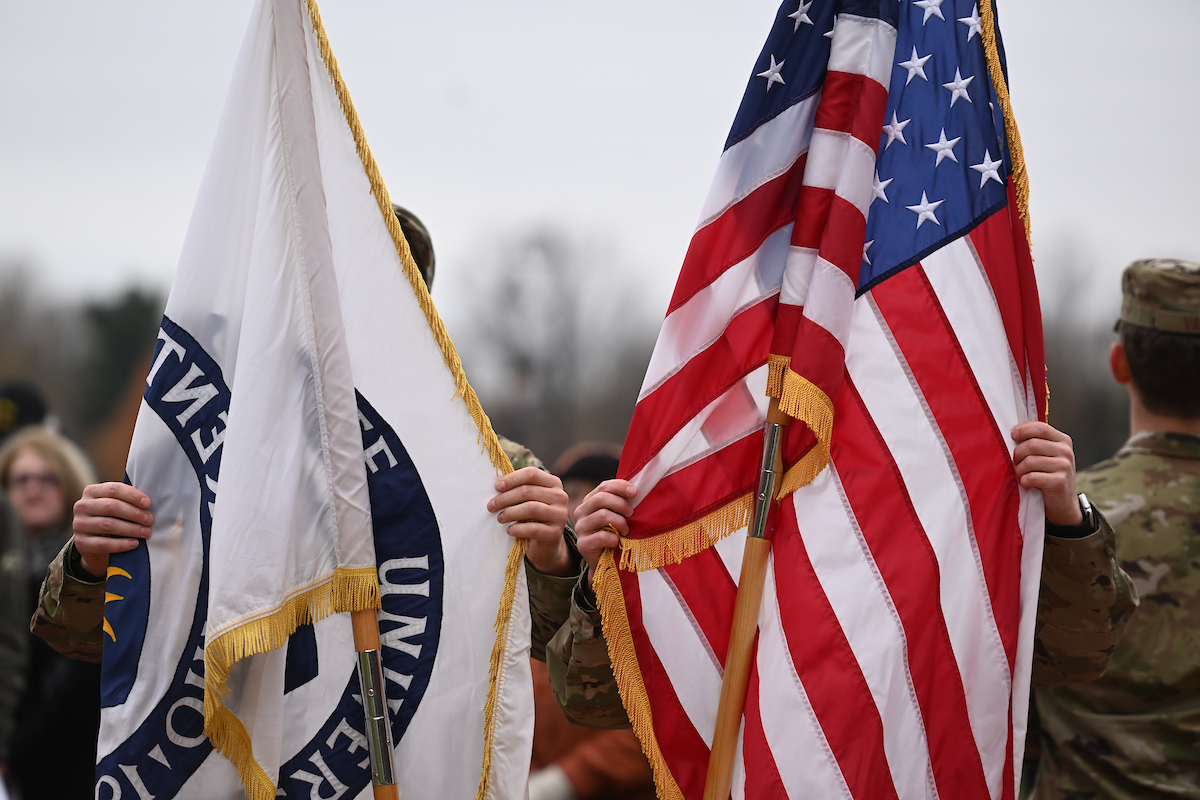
<point>556,343</point>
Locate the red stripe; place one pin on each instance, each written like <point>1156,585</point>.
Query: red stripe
<point>906,561</point>
<point>853,104</point>
<point>741,349</point>
<point>831,675</point>
<point>708,591</point>
<point>682,747</point>
<point>842,243</point>
<point>738,232</point>
<point>697,489</point>
<point>1000,243</point>
<point>921,330</point>
<point>819,357</point>
<point>758,762</point>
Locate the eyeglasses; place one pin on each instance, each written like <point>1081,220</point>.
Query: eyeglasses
<point>45,480</point>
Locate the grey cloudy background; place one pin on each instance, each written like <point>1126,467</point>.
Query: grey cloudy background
<point>603,119</point>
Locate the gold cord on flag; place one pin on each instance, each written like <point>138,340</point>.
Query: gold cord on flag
<point>487,435</point>
<point>628,674</point>
<point>1020,176</point>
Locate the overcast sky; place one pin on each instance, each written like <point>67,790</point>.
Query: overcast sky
<point>604,118</point>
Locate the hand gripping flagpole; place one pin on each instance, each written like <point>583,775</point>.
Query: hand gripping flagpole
<point>745,615</point>
<point>370,678</point>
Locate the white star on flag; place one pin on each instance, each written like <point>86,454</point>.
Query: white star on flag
<point>879,187</point>
<point>958,87</point>
<point>895,131</point>
<point>944,148</point>
<point>866,247</point>
<point>915,66</point>
<point>932,8</point>
<point>771,73</point>
<point>988,170</point>
<point>801,14</point>
<point>924,210</point>
<point>974,23</point>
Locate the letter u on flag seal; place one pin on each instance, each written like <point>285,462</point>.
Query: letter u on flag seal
<point>311,446</point>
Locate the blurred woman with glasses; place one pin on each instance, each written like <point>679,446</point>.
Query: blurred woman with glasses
<point>53,748</point>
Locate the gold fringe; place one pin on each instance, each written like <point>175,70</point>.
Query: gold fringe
<point>346,590</point>
<point>516,556</point>
<point>804,471</point>
<point>1020,175</point>
<point>776,367</point>
<point>487,436</point>
<point>673,546</point>
<point>805,401</point>
<point>628,674</point>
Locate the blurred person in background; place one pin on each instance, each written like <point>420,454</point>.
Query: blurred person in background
<point>1135,732</point>
<point>568,761</point>
<point>53,747</point>
<point>21,404</point>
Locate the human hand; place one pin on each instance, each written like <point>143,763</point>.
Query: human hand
<point>606,505</point>
<point>109,518</point>
<point>1044,460</point>
<point>534,506</point>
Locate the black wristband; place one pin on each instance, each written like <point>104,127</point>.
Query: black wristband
<point>1085,527</point>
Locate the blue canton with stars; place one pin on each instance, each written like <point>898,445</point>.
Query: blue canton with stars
<point>943,164</point>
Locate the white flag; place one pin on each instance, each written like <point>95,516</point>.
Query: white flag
<point>310,446</point>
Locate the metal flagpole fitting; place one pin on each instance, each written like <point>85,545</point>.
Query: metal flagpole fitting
<point>768,478</point>
<point>745,616</point>
<point>379,732</point>
<point>370,678</point>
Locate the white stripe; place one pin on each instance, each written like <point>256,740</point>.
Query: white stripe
<point>961,286</point>
<point>796,279</point>
<point>739,411</point>
<point>927,468</point>
<point>765,154</point>
<point>694,326</point>
<point>806,763</point>
<point>830,301</point>
<point>685,656</point>
<point>863,607</point>
<point>843,165</point>
<point>863,46</point>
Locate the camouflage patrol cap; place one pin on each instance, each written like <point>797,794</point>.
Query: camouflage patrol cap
<point>419,242</point>
<point>1162,294</point>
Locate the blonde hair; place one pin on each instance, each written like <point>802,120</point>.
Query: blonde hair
<point>65,458</point>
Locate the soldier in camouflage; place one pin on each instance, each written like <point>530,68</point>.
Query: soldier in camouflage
<point>1085,602</point>
<point>1135,733</point>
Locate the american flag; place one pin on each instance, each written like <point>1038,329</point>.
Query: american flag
<point>861,256</point>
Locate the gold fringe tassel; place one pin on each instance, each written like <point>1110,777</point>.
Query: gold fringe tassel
<point>516,556</point>
<point>346,590</point>
<point>673,546</point>
<point>803,400</point>
<point>776,367</point>
<point>487,436</point>
<point>629,674</point>
<point>1020,175</point>
<point>462,388</point>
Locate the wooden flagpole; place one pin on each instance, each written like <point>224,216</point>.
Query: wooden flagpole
<point>370,675</point>
<point>745,615</point>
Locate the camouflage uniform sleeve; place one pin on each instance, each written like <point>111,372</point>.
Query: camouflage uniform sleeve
<point>581,673</point>
<point>70,612</point>
<point>1084,604</point>
<point>549,606</point>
